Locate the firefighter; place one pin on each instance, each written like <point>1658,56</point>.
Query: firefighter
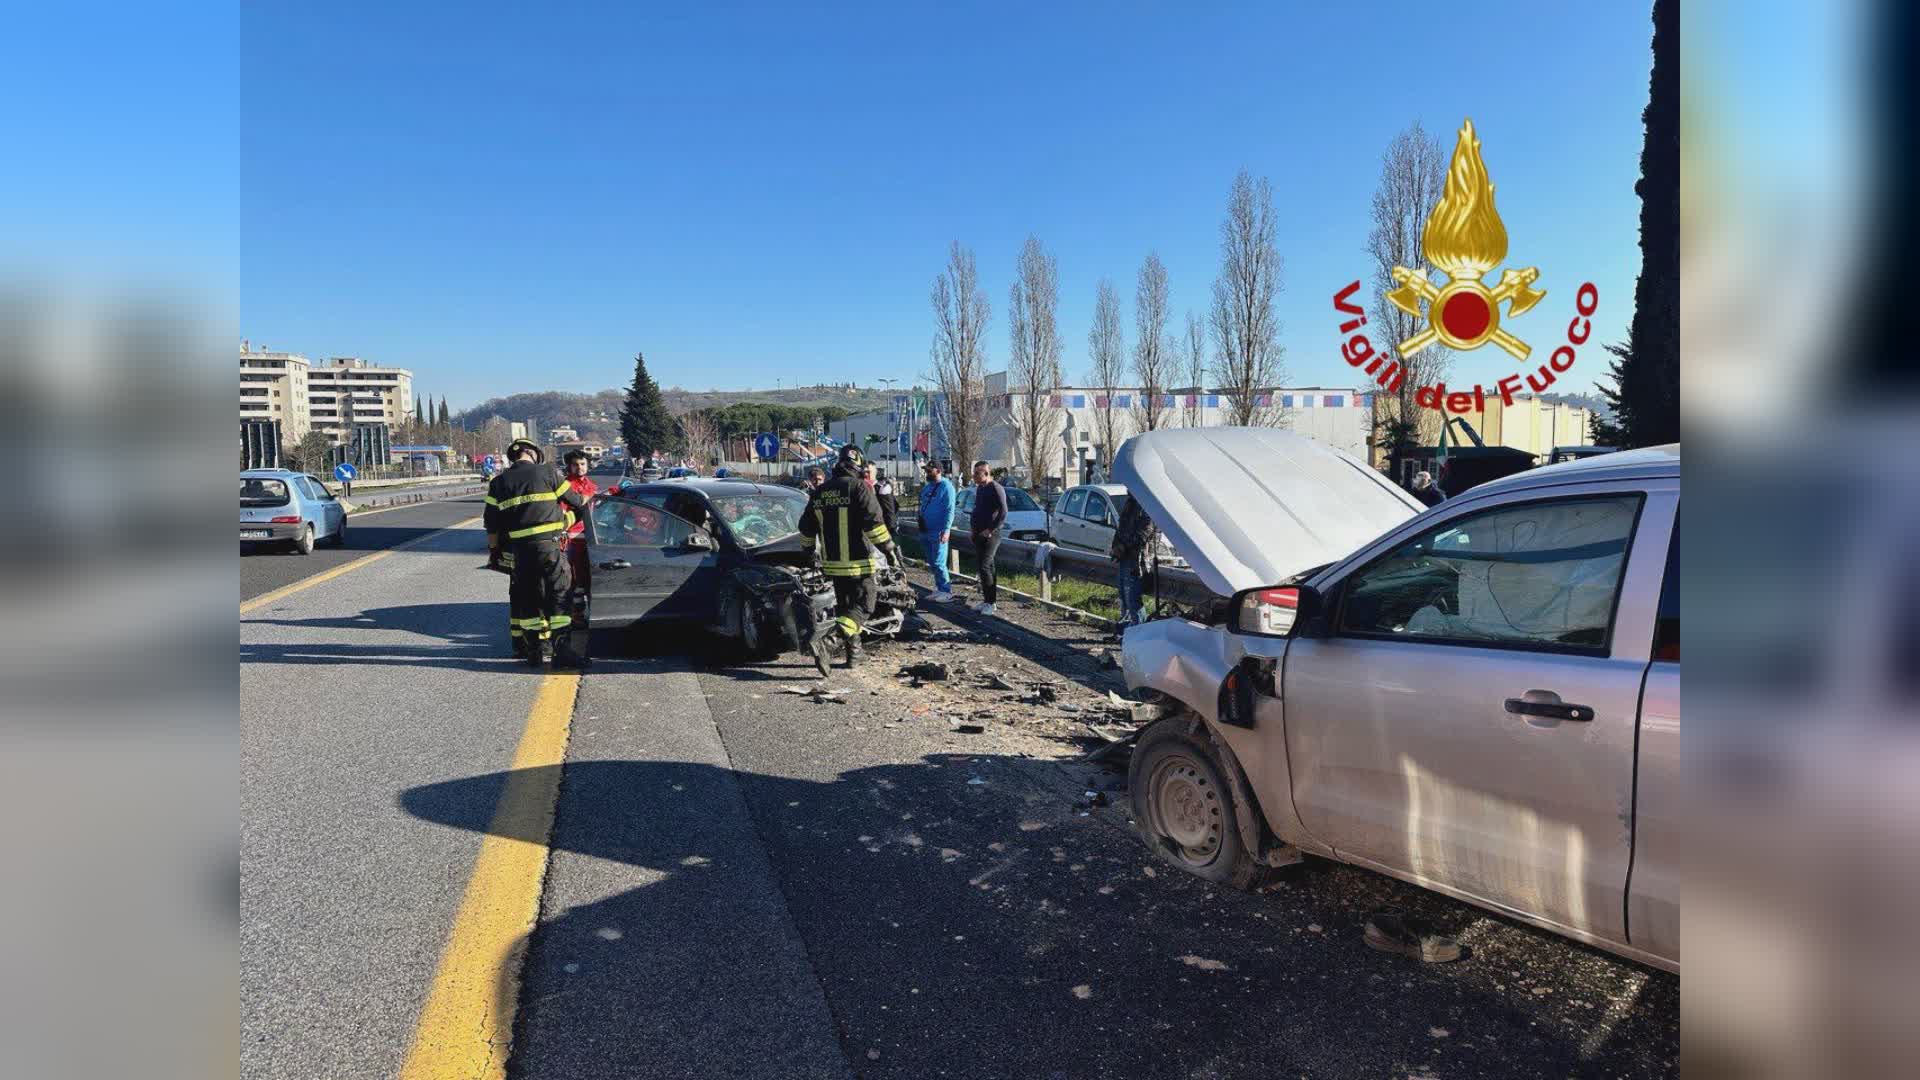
<point>573,545</point>
<point>526,514</point>
<point>843,519</point>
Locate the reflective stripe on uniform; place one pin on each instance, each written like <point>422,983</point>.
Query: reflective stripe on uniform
<point>521,500</point>
<point>847,626</point>
<point>536,530</point>
<point>559,622</point>
<point>855,568</point>
<point>879,535</point>
<point>844,545</point>
<point>538,622</point>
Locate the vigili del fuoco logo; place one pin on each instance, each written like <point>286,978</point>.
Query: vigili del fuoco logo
<point>1464,239</point>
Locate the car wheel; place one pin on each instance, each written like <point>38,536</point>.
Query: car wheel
<point>754,639</point>
<point>340,538</point>
<point>1184,808</point>
<point>304,545</point>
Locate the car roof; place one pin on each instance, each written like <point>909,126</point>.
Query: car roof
<point>268,474</point>
<point>710,486</point>
<point>1646,463</point>
<point>1111,489</point>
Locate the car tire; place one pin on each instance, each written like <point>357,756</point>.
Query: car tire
<point>304,545</point>
<point>755,640</point>
<point>339,539</point>
<point>1183,806</point>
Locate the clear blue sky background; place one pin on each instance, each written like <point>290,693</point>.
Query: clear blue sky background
<point>509,197</point>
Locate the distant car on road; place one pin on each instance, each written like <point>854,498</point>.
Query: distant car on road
<point>1482,699</point>
<point>280,506</point>
<point>1026,519</point>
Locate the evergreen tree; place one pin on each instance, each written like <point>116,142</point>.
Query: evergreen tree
<point>1645,396</point>
<point>420,413</point>
<point>645,425</point>
<point>446,422</point>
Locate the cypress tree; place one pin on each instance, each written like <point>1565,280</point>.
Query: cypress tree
<point>1645,396</point>
<point>645,425</point>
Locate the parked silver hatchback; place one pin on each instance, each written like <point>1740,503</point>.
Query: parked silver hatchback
<point>280,506</point>
<point>1482,699</point>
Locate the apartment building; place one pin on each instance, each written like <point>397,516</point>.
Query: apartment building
<point>274,386</point>
<point>329,397</point>
<point>347,390</point>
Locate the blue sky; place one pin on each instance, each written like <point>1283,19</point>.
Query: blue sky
<point>511,197</point>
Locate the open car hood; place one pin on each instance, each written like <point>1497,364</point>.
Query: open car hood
<point>1251,507</point>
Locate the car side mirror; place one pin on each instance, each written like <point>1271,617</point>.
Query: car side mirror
<point>1275,612</point>
<point>699,541</point>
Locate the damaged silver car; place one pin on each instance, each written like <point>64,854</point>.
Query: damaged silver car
<point>1482,698</point>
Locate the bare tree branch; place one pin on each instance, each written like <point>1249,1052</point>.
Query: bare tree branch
<point>701,433</point>
<point>1153,362</point>
<point>959,354</point>
<point>1033,307</point>
<point>1246,331</point>
<point>1196,371</point>
<point>1107,349</point>
<point>1413,172</point>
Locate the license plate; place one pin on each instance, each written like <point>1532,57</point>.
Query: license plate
<point>255,534</point>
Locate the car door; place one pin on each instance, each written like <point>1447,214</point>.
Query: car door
<point>1467,719</point>
<point>1066,518</point>
<point>1096,531</point>
<point>333,514</point>
<point>687,566</point>
<point>640,559</point>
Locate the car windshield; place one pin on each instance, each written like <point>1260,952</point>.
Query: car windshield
<point>1119,503</point>
<point>259,491</point>
<point>1020,500</point>
<point>762,517</point>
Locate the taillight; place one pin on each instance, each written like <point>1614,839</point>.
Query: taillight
<point>287,519</point>
<point>1269,611</point>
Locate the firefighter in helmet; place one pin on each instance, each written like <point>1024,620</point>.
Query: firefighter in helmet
<point>526,514</point>
<point>843,526</point>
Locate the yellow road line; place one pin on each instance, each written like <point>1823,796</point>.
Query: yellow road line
<point>467,1023</point>
<point>266,598</point>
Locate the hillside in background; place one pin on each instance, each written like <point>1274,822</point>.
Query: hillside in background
<point>597,416</point>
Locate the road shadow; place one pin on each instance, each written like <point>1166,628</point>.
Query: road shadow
<point>457,622</point>
<point>960,923</point>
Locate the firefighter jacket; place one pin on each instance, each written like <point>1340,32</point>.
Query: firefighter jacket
<point>529,502</point>
<point>843,518</point>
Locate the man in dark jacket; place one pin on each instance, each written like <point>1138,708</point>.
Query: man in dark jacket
<point>989,513</point>
<point>1132,540</point>
<point>843,526</point>
<point>1426,490</point>
<point>525,516</point>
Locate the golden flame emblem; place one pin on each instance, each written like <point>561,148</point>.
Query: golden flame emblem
<point>1465,238</point>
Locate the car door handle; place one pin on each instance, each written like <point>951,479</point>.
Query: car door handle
<point>1551,710</point>
<point>616,564</point>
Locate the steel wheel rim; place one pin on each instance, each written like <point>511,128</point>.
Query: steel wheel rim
<point>1187,809</point>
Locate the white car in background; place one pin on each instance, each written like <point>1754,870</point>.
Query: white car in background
<point>1086,517</point>
<point>1026,519</point>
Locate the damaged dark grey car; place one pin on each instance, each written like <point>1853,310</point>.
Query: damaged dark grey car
<point>723,555</point>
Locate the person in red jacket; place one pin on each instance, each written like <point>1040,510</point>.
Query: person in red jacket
<point>573,546</point>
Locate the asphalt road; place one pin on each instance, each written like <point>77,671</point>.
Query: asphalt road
<point>744,882</point>
<point>263,569</point>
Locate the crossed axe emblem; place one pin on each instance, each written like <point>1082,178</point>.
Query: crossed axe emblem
<point>1464,313</point>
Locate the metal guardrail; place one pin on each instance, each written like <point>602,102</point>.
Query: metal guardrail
<point>1177,584</point>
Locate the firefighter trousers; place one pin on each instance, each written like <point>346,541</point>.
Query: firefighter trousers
<point>537,597</point>
<point>853,600</point>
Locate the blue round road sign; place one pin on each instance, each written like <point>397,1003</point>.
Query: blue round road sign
<point>766,446</point>
<point>344,472</point>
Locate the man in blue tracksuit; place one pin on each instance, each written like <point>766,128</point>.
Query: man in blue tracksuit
<point>936,525</point>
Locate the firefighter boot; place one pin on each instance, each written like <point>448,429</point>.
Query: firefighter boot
<point>854,653</point>
<point>821,647</point>
<point>519,646</point>
<point>540,651</point>
<point>564,655</point>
